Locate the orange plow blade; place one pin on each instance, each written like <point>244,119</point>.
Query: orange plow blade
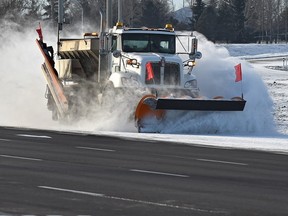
<point>151,110</point>
<point>146,109</point>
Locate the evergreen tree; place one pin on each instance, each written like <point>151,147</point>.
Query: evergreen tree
<point>197,10</point>
<point>13,11</point>
<point>51,11</point>
<point>284,24</point>
<point>232,20</point>
<point>238,8</point>
<point>207,23</point>
<point>85,13</point>
<point>225,30</point>
<point>131,12</point>
<point>154,13</point>
<point>33,10</point>
<point>213,3</point>
<point>252,21</point>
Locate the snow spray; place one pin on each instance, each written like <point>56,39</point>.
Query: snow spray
<point>22,85</point>
<point>216,77</point>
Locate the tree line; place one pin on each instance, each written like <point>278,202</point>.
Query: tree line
<point>242,21</point>
<point>231,21</point>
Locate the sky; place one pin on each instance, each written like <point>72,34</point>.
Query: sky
<point>179,4</point>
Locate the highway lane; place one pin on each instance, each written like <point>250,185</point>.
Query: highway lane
<point>50,173</point>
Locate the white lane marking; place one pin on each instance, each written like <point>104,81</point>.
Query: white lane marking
<point>129,200</point>
<point>73,191</point>
<point>21,158</point>
<point>95,149</point>
<point>6,140</point>
<point>223,162</point>
<point>34,136</point>
<point>159,173</point>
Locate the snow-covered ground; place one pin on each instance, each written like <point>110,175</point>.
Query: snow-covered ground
<point>262,125</point>
<point>271,63</point>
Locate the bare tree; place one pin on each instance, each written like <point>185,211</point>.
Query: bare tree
<point>12,10</point>
<point>131,12</point>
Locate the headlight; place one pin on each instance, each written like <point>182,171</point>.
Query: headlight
<point>132,62</point>
<point>191,84</point>
<point>130,82</point>
<point>191,63</point>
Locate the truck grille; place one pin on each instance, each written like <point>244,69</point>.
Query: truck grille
<point>171,74</point>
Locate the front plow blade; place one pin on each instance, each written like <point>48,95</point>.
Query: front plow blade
<point>201,105</point>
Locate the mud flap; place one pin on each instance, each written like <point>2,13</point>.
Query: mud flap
<point>200,105</point>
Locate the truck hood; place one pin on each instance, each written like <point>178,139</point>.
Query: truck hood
<point>143,58</point>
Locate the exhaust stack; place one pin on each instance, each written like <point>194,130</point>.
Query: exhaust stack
<point>60,22</point>
<point>108,15</point>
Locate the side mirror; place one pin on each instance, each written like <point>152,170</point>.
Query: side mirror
<point>116,53</point>
<point>196,55</point>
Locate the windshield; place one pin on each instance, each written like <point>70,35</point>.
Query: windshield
<point>159,43</point>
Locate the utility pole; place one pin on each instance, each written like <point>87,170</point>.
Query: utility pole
<point>60,22</point>
<point>120,16</point>
<point>52,13</point>
<point>108,14</point>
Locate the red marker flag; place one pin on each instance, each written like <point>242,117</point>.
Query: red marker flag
<point>39,31</point>
<point>238,72</point>
<point>150,72</point>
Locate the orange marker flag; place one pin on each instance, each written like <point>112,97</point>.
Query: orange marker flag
<point>150,72</point>
<point>39,31</point>
<point>238,72</point>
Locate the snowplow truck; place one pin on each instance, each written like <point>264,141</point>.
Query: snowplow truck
<point>126,59</point>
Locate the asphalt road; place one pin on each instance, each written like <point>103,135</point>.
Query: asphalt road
<point>49,173</point>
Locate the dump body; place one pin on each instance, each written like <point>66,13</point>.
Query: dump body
<point>79,59</point>
<point>72,79</point>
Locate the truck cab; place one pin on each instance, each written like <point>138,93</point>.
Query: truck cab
<point>147,58</point>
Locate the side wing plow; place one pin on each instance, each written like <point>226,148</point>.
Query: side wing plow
<point>54,84</point>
